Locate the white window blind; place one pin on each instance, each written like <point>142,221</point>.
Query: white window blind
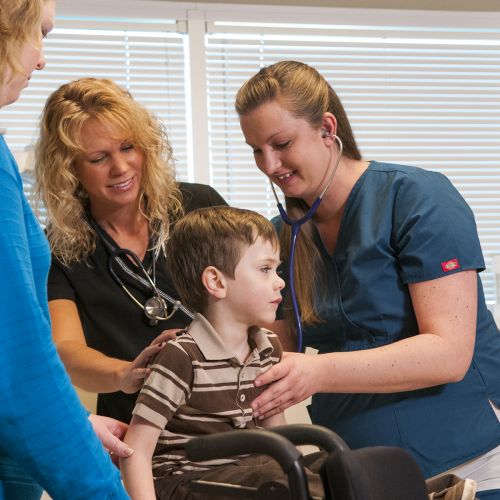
<point>145,56</point>
<point>420,96</point>
<point>419,89</point>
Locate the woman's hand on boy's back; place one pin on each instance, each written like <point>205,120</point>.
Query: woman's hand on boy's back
<point>166,335</point>
<point>134,372</point>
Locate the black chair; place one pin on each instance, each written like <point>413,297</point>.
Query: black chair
<point>376,473</point>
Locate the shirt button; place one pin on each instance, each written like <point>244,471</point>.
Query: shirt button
<point>242,398</point>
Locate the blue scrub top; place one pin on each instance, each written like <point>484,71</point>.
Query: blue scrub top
<point>404,225</point>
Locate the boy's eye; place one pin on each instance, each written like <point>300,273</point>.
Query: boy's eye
<point>265,269</point>
<point>280,270</point>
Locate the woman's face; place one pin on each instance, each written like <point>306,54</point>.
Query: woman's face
<point>292,153</point>
<point>31,58</point>
<point>110,169</point>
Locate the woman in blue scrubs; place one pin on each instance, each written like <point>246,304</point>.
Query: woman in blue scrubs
<point>388,288</point>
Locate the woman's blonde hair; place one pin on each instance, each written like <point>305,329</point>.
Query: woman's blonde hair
<point>302,91</point>
<point>20,23</point>
<point>59,147</point>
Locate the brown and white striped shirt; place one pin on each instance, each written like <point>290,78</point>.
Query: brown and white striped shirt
<point>198,387</point>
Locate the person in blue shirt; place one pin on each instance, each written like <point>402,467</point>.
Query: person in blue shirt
<point>388,288</point>
<point>45,435</point>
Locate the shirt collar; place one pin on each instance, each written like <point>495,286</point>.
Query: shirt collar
<point>212,347</point>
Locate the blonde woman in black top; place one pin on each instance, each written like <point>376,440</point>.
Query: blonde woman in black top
<point>105,173</point>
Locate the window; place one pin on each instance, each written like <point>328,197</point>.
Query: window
<point>420,94</point>
<point>144,56</point>
<point>418,89</point>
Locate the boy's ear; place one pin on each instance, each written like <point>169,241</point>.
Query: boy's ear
<point>214,281</point>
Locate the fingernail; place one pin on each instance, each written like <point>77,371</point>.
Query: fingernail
<point>129,452</point>
<point>257,383</point>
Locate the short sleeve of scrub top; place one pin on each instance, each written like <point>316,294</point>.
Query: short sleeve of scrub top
<point>434,229</point>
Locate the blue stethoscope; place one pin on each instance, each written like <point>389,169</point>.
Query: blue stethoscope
<point>295,226</point>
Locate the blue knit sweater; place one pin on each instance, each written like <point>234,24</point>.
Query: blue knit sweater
<point>42,423</point>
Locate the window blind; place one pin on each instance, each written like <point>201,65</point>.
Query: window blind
<point>418,90</point>
<point>145,56</point>
<point>420,96</point>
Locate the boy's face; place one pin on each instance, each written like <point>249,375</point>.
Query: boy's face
<point>255,292</point>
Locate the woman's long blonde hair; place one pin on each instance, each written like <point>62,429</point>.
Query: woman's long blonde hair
<point>306,94</point>
<point>20,23</point>
<point>67,110</point>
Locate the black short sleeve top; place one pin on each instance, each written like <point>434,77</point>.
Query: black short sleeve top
<point>112,323</point>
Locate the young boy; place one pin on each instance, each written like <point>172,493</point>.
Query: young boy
<point>223,264</point>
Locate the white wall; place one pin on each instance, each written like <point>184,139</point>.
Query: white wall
<point>445,5</point>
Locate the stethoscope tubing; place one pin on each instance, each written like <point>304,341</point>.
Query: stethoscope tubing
<point>295,227</point>
<point>114,254</point>
<point>295,230</point>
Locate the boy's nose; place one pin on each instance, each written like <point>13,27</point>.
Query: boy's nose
<point>280,283</point>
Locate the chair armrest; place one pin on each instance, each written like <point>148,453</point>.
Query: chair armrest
<point>317,435</point>
<point>242,442</point>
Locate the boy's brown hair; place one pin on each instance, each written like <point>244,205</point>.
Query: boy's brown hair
<point>213,236</point>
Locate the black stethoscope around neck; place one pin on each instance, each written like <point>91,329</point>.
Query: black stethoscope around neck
<point>156,307</point>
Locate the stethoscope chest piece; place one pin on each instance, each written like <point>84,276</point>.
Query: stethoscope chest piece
<point>154,308</point>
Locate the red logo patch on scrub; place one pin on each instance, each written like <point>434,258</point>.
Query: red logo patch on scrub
<point>450,265</point>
